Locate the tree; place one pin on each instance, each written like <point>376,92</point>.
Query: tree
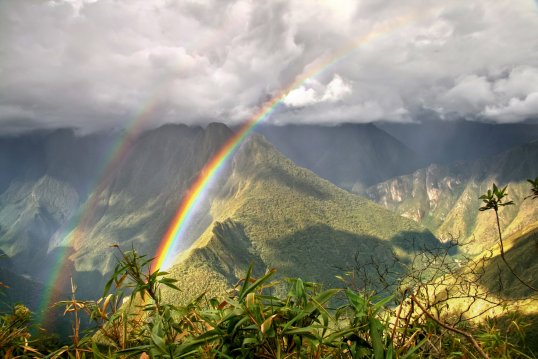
<point>493,200</point>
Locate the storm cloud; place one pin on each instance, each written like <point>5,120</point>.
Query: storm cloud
<point>99,64</point>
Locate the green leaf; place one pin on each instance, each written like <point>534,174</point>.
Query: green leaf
<point>307,332</point>
<point>256,284</point>
<point>381,304</point>
<point>245,283</point>
<point>337,336</point>
<point>157,338</point>
<point>313,304</point>
<point>376,334</point>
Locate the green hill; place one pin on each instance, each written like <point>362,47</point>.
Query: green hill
<point>444,198</point>
<point>273,214</point>
<point>265,210</point>
<point>521,249</point>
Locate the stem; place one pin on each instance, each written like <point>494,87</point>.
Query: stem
<point>398,316</point>
<point>504,259</point>
<point>468,336</point>
<point>77,322</point>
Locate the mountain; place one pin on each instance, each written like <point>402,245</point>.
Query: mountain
<point>352,156</point>
<point>59,198</point>
<point>271,213</point>
<point>137,203</point>
<point>444,198</point>
<point>444,142</point>
<point>44,176</point>
<point>520,248</point>
<point>356,156</point>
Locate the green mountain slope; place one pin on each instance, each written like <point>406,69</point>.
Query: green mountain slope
<point>274,214</point>
<point>521,249</point>
<point>444,198</point>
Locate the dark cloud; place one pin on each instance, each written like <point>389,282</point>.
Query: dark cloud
<point>93,64</point>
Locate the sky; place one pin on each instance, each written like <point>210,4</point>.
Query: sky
<point>98,64</point>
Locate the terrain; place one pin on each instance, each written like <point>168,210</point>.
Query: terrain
<point>282,201</point>
<point>273,214</point>
<point>444,198</point>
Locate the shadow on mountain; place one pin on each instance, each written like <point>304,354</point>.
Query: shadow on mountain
<point>319,253</point>
<point>411,241</point>
<point>232,253</point>
<point>42,299</point>
<point>22,289</point>
<point>522,258</point>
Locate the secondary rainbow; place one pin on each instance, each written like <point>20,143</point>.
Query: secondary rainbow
<point>165,252</point>
<point>59,273</point>
<point>117,152</point>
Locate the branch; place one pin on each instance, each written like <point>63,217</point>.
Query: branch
<point>468,336</point>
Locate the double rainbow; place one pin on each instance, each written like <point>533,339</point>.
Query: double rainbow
<point>166,250</point>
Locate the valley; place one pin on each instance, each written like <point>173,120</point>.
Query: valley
<point>287,200</point>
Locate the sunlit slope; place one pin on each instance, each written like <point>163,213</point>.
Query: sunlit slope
<point>274,214</point>
<point>521,250</point>
<point>521,253</point>
<point>445,198</point>
<point>496,292</point>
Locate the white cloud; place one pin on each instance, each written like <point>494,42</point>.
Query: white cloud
<point>95,63</point>
<point>301,96</point>
<point>334,91</point>
<point>520,81</point>
<point>516,109</point>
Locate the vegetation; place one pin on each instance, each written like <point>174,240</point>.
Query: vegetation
<point>273,214</point>
<point>251,321</point>
<point>494,199</point>
<point>426,304</point>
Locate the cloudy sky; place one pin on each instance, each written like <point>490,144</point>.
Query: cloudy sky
<point>97,64</point>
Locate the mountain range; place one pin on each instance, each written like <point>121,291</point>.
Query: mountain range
<point>444,198</point>
<point>284,200</point>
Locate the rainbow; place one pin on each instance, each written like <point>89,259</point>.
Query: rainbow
<point>166,251</point>
<point>58,277</point>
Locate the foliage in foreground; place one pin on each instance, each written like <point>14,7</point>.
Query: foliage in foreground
<point>251,322</point>
<point>132,320</point>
